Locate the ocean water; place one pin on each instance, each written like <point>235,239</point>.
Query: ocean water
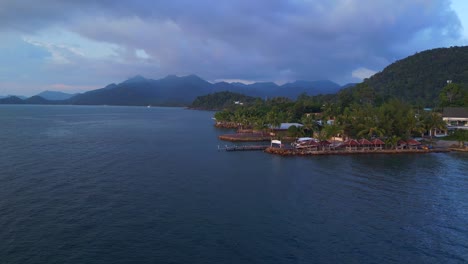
<point>101,184</point>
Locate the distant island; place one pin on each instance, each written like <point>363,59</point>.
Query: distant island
<point>173,91</point>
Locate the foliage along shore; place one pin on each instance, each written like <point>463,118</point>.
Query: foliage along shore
<point>355,115</point>
<point>391,105</point>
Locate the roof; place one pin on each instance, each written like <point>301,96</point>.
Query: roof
<point>364,142</point>
<point>461,112</point>
<point>351,142</point>
<point>413,142</point>
<point>377,142</point>
<point>402,142</point>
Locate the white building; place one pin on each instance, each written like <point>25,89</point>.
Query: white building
<point>456,117</point>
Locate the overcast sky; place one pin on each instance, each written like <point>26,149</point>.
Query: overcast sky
<point>74,46</point>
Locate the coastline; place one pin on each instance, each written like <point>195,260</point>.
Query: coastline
<point>440,146</point>
<point>302,152</point>
<point>245,137</point>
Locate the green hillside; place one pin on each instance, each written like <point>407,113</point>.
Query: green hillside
<point>220,100</point>
<point>419,78</point>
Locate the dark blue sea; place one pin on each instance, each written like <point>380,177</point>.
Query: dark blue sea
<point>101,184</point>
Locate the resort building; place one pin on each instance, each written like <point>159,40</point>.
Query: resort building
<point>456,117</point>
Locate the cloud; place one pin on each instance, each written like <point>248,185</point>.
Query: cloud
<point>362,73</point>
<point>274,40</point>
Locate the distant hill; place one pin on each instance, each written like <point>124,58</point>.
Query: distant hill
<point>171,91</point>
<point>175,91</point>
<point>419,78</point>
<point>39,100</point>
<point>181,91</point>
<point>31,100</point>
<point>12,100</point>
<point>54,95</point>
<point>221,100</point>
<point>291,90</point>
<point>18,96</point>
<point>348,85</point>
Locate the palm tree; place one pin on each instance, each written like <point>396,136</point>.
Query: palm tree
<point>309,123</point>
<point>273,118</point>
<point>238,118</point>
<point>419,126</point>
<point>332,131</point>
<point>392,141</point>
<point>259,123</point>
<point>433,121</point>
<point>370,131</point>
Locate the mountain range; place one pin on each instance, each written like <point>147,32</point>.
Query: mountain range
<point>55,95</point>
<point>417,79</point>
<point>174,91</point>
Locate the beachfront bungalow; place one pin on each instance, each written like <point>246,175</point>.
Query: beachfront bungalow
<point>413,144</point>
<point>401,144</point>
<point>351,144</point>
<point>377,144</point>
<point>455,117</point>
<point>365,144</point>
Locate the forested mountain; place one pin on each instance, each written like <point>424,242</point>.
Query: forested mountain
<point>176,91</point>
<point>11,95</point>
<point>54,95</point>
<point>221,100</point>
<point>173,90</point>
<point>419,78</point>
<point>12,100</point>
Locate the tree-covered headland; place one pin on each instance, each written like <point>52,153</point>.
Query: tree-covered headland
<point>402,101</point>
<point>355,114</point>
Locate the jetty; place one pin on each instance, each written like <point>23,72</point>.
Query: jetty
<point>244,148</point>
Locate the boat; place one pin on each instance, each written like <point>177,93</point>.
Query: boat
<point>305,142</point>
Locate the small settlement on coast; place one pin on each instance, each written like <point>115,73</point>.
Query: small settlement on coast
<point>308,146</point>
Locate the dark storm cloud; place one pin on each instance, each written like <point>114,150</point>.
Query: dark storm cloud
<point>256,40</point>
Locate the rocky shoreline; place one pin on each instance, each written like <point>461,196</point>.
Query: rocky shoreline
<point>231,125</point>
<point>302,152</point>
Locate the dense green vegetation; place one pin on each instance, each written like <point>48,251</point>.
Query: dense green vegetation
<point>388,105</point>
<point>392,120</point>
<point>221,100</point>
<point>419,79</point>
<point>460,135</point>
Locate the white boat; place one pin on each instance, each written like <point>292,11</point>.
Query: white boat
<point>305,142</point>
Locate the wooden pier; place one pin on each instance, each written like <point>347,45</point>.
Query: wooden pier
<point>244,148</point>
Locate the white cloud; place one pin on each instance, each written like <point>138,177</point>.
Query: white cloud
<point>141,53</point>
<point>105,41</point>
<point>233,81</point>
<point>362,73</point>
